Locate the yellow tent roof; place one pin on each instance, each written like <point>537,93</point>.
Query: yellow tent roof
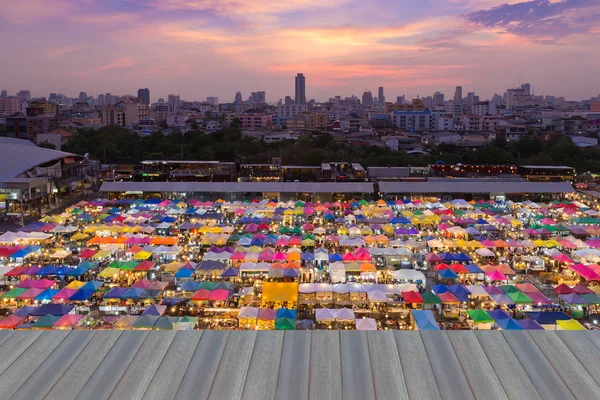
<point>75,285</point>
<point>142,255</point>
<point>79,236</point>
<point>108,272</point>
<point>280,291</point>
<point>570,325</point>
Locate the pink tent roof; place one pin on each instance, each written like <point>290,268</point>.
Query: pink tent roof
<point>349,257</point>
<point>142,283</point>
<point>496,275</point>
<point>279,256</point>
<point>282,241</point>
<point>538,298</point>
<point>219,294</point>
<point>238,255</point>
<point>266,314</point>
<point>11,321</point>
<point>585,272</point>
<point>68,320</point>
<point>39,284</point>
<point>31,293</point>
<point>563,258</point>
<point>64,294</point>
<point>566,244</point>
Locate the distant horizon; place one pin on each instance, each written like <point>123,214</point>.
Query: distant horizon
<point>343,47</point>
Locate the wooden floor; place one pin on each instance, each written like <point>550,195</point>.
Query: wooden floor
<point>292,365</point>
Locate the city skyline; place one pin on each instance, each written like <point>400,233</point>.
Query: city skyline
<point>210,48</point>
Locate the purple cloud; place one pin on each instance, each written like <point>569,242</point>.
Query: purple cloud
<point>540,20</point>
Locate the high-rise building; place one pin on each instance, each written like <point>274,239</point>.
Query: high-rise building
<point>4,94</point>
<point>238,98</point>
<point>258,97</point>
<point>82,97</point>
<point>300,89</point>
<point>515,97</point>
<point>288,100</point>
<point>400,99</point>
<point>527,88</point>
<point>458,99</point>
<point>380,96</point>
<point>24,96</point>
<point>595,106</point>
<point>9,106</point>
<point>212,99</point>
<point>173,100</point>
<point>438,99</point>
<point>497,100</point>
<point>367,99</point>
<point>144,96</point>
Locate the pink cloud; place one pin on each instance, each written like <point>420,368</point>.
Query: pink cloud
<point>121,62</point>
<point>64,50</point>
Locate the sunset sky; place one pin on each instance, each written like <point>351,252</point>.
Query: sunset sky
<point>215,47</point>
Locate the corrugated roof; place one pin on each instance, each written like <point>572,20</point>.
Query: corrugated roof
<point>482,186</point>
<point>18,156</point>
<point>300,364</point>
<point>239,187</point>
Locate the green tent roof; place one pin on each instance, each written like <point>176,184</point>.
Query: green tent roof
<point>285,324</point>
<point>13,293</point>
<point>509,289</point>
<point>130,265</point>
<point>520,298</point>
<point>430,298</point>
<point>46,322</point>
<point>480,316</point>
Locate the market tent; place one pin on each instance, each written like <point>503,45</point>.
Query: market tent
<point>504,321</point>
<point>366,324</point>
<point>547,317</point>
<point>155,310</point>
<point>165,323</point>
<point>46,322</point>
<point>126,322</point>
<point>324,314</point>
<point>67,321</point>
<point>480,316</point>
<point>424,320</point>
<point>412,297</point>
<point>573,299</point>
<point>145,322</point>
<point>529,324</point>
<point>519,298</point>
<point>280,291</point>
<point>11,322</point>
<point>570,325</point>
<point>430,298</point>
<point>54,309</point>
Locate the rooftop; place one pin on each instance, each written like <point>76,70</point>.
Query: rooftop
<point>300,364</point>
<point>239,187</point>
<point>475,186</point>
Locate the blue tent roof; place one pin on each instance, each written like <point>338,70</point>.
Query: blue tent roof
<point>504,320</point>
<point>425,320</point>
<point>290,273</point>
<point>46,295</point>
<point>230,272</point>
<point>447,274</point>
<point>399,220</point>
<point>184,273</point>
<point>92,285</point>
<point>529,324</point>
<point>115,293</point>
<point>54,309</point>
<point>24,311</point>
<point>461,292</point>
<point>474,269</point>
<point>447,256</point>
<point>547,317</point>
<point>462,257</point>
<point>335,257</point>
<point>77,271</point>
<point>133,293</point>
<point>286,313</point>
<point>189,286</point>
<point>48,270</point>
<point>82,295</point>
<point>306,256</point>
<point>441,288</point>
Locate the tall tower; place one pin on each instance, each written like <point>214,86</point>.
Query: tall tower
<point>144,96</point>
<point>300,89</point>
<point>380,96</point>
<point>238,98</point>
<point>458,95</point>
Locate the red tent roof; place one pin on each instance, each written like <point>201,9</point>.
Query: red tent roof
<point>412,297</point>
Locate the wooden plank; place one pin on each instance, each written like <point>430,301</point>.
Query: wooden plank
<point>142,368</point>
<point>579,382</point>
<point>16,344</point>
<point>388,378</point>
<point>325,379</point>
<point>357,377</point>
<point>418,374</point>
<point>27,362</point>
<point>506,365</point>
<point>202,369</point>
<point>49,372</point>
<point>261,379</point>
<point>584,349</point>
<point>107,375</point>
<point>292,382</point>
<point>234,363</point>
<point>171,371</point>
<point>5,335</point>
<point>82,368</point>
<point>479,373</point>
<point>449,375</point>
<point>540,371</point>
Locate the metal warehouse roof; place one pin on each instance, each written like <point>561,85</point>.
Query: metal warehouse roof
<point>482,186</point>
<point>239,187</point>
<point>299,365</point>
<point>18,156</point>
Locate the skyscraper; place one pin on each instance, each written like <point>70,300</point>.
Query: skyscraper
<point>238,98</point>
<point>83,97</point>
<point>458,95</point>
<point>300,89</point>
<point>288,100</point>
<point>367,99</point>
<point>527,88</point>
<point>173,100</point>
<point>380,96</point>
<point>4,94</point>
<point>258,97</point>
<point>438,99</point>
<point>144,96</point>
